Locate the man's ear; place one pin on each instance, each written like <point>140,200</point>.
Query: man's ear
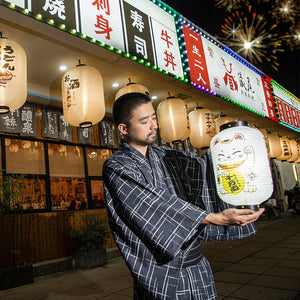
<point>123,129</point>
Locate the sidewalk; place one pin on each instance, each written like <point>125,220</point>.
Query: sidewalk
<point>266,267</point>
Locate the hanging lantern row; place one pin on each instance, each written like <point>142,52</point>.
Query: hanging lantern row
<point>82,87</point>
<point>175,124</point>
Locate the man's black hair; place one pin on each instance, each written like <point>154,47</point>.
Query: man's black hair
<point>123,106</point>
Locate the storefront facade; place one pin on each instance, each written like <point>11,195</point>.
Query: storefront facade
<point>59,165</point>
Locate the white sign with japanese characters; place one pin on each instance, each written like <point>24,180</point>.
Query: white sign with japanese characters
<point>230,78</point>
<point>102,20</point>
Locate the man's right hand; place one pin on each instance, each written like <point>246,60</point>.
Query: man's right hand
<point>233,216</point>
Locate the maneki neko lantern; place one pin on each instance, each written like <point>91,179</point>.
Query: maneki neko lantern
<point>172,120</point>
<point>202,123</point>
<point>13,75</point>
<point>83,96</point>
<point>241,165</point>
<point>286,153</point>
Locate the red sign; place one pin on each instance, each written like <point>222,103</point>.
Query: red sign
<point>269,99</point>
<point>281,110</point>
<point>288,114</point>
<point>196,57</point>
<point>295,117</point>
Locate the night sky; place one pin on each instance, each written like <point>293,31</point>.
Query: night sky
<point>207,16</point>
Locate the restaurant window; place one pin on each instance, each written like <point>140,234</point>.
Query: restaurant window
<point>20,193</point>
<point>24,172</point>
<point>95,160</point>
<point>67,177</point>
<point>24,157</point>
<point>97,193</point>
<point>34,194</point>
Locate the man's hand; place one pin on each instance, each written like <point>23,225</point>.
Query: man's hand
<point>233,216</point>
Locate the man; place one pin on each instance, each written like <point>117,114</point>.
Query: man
<point>160,202</point>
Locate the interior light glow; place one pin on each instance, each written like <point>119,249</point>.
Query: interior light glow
<point>63,68</point>
<point>115,84</point>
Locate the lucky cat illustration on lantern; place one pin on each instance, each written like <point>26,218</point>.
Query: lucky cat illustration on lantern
<point>235,165</point>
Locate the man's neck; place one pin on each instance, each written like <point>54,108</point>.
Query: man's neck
<point>141,148</point>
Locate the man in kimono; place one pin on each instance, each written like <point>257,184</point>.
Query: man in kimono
<point>160,203</point>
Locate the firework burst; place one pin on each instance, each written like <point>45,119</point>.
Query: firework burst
<point>284,11</point>
<point>292,38</point>
<point>230,5</point>
<point>247,34</point>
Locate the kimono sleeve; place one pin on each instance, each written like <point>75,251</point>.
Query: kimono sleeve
<point>163,221</point>
<point>216,205</point>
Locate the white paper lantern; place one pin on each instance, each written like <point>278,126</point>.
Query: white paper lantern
<point>83,96</point>
<point>241,165</point>
<point>132,87</point>
<point>273,145</point>
<point>294,151</point>
<point>172,120</point>
<point>223,119</point>
<point>13,75</point>
<point>285,148</point>
<point>202,123</point>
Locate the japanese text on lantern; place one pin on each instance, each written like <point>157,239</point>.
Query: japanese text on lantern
<point>102,23</point>
<point>72,84</point>
<point>7,65</point>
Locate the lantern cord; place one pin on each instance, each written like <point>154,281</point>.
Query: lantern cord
<point>79,63</point>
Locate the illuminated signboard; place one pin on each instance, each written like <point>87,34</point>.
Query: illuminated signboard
<point>288,106</point>
<point>211,67</point>
<point>139,28</point>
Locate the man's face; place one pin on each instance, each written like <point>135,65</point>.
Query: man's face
<point>142,129</point>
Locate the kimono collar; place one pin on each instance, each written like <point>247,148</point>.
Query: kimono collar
<point>147,167</point>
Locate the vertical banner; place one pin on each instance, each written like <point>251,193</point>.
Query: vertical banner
<point>167,49</point>
<point>50,123</point>
<point>11,122</point>
<point>102,20</point>
<point>196,57</point>
<point>62,12</point>
<point>107,137</point>
<point>281,112</point>
<point>269,99</point>
<point>138,33</point>
<point>28,120</point>
<point>84,135</point>
<point>295,117</point>
<point>64,129</point>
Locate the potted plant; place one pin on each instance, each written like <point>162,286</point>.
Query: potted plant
<point>13,270</point>
<point>89,239</point>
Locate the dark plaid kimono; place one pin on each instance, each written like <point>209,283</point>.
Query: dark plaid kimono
<point>155,209</point>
